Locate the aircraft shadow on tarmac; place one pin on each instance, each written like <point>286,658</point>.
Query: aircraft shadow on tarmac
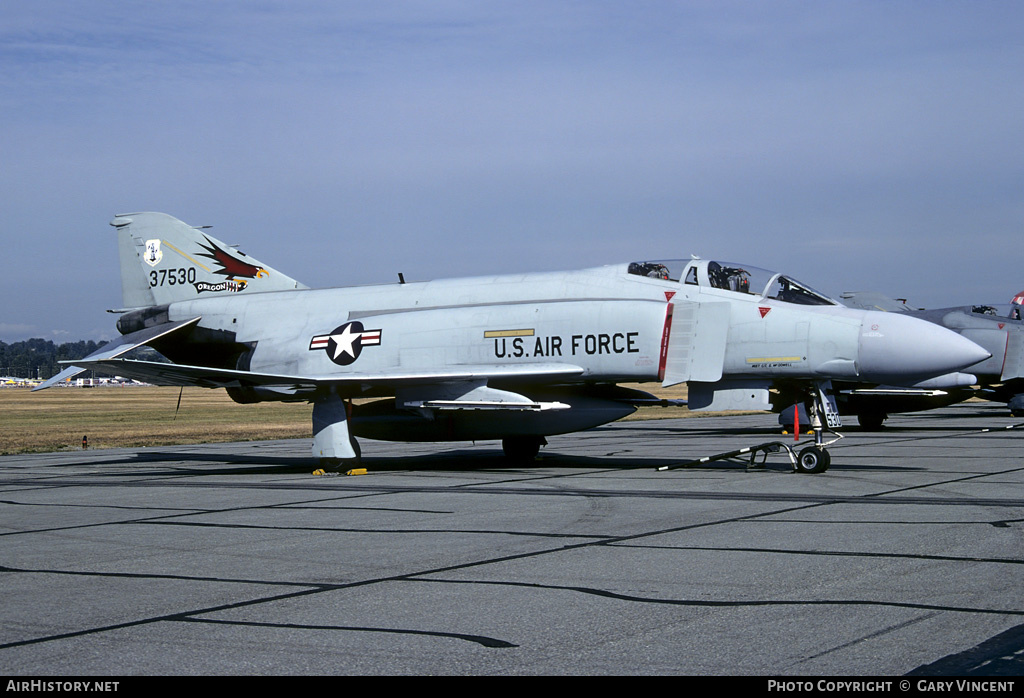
<point>455,460</point>
<point>181,463</point>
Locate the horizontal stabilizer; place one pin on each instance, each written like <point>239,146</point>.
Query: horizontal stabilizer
<point>119,346</point>
<point>201,376</point>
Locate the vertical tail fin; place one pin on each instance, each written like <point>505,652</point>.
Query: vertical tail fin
<point>1015,307</point>
<point>164,260</point>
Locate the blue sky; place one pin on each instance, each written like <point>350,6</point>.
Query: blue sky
<point>856,145</point>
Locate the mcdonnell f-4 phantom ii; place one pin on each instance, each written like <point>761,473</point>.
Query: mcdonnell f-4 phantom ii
<point>513,357</point>
<point>1000,377</point>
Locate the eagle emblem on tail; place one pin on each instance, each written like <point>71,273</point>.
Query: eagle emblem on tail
<point>230,265</point>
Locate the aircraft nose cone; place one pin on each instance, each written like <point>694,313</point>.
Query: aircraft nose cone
<point>898,349</point>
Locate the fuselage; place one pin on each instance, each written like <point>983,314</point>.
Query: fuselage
<point>608,325</point>
<point>612,323</point>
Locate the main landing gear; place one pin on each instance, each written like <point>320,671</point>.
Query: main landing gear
<point>333,444</point>
<point>522,449</point>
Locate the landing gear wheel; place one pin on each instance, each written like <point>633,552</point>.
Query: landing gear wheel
<point>340,465</point>
<point>813,460</point>
<point>871,421</point>
<point>522,449</point>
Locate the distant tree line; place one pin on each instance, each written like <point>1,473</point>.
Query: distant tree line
<point>37,358</point>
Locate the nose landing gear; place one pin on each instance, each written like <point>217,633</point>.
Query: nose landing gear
<point>813,459</point>
<point>816,458</point>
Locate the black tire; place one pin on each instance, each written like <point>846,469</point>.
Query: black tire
<point>522,449</point>
<point>813,460</point>
<point>871,421</point>
<point>337,465</point>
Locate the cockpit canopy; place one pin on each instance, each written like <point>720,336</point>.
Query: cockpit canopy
<point>728,276</point>
<point>657,270</point>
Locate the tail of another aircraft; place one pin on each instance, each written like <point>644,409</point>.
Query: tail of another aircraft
<point>164,260</point>
<point>1017,307</point>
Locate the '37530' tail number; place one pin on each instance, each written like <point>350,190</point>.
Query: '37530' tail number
<point>172,277</point>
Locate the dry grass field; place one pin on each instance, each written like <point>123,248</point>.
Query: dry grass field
<point>111,417</point>
<point>57,419</point>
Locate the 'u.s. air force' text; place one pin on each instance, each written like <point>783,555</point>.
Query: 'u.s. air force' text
<point>555,345</point>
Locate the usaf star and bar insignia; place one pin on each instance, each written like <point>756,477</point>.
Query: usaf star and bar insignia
<point>344,344</point>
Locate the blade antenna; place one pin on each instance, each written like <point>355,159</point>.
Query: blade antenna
<point>176,407</point>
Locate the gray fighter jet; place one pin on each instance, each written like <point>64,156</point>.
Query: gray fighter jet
<point>999,378</point>
<point>515,357</point>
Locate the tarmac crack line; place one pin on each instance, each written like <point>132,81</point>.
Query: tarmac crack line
<point>871,636</point>
<point>835,553</point>
<point>699,603</point>
<point>479,639</point>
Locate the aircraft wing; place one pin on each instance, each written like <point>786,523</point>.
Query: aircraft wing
<point>202,376</point>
